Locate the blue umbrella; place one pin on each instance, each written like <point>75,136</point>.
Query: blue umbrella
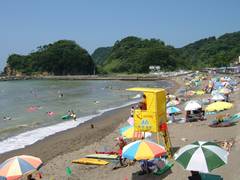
<point>173,110</point>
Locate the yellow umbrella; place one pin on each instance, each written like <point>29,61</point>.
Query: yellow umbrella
<point>200,92</point>
<point>219,106</point>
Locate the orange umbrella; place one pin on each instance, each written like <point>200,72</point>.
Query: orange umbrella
<point>15,167</point>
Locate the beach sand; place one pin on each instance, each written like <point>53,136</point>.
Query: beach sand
<point>57,151</point>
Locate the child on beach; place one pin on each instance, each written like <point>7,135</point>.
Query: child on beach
<point>121,143</point>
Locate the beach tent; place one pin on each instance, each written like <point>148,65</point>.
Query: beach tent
<point>143,150</point>
<point>219,106</point>
<point>16,167</point>
<point>192,105</point>
<point>201,156</point>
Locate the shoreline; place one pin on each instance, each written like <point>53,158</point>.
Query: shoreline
<point>123,77</point>
<point>76,134</point>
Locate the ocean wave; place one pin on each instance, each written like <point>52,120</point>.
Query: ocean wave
<point>30,137</point>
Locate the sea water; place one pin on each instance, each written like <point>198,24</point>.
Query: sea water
<point>24,105</point>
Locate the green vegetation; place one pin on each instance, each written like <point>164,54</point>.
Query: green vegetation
<point>135,55</point>
<point>130,55</point>
<point>212,52</point>
<point>60,58</point>
<point>101,54</point>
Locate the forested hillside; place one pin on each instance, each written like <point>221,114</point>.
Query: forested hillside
<point>129,55</point>
<point>60,58</point>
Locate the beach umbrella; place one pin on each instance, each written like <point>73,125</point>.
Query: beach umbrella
<point>17,166</point>
<point>128,132</point>
<point>201,156</point>
<point>217,97</point>
<point>143,150</point>
<point>235,117</point>
<point>192,105</point>
<point>219,106</point>
<point>173,110</point>
<point>224,91</point>
<point>173,103</point>
<point>200,92</point>
<point>131,121</point>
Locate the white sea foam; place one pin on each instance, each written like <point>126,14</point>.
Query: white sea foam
<point>30,137</point>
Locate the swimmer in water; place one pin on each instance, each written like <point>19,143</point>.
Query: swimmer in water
<point>7,118</point>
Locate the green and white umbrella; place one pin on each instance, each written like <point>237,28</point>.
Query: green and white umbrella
<point>201,156</point>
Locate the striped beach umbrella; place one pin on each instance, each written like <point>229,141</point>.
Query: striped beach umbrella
<point>201,156</point>
<point>17,166</point>
<point>143,150</point>
<point>173,110</point>
<point>128,132</point>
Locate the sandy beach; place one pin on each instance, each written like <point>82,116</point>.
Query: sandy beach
<point>57,151</point>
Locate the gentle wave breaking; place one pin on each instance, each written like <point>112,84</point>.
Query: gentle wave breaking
<point>27,138</point>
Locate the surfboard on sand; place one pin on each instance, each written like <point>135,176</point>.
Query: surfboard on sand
<point>102,156</point>
<point>90,161</point>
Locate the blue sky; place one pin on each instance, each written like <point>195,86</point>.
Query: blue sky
<point>26,24</point>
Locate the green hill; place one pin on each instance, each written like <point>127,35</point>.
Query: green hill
<point>212,51</point>
<point>135,55</point>
<point>60,58</point>
<point>101,54</point>
<point>129,55</point>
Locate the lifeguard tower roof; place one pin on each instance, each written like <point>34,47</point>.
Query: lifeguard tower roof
<point>152,90</point>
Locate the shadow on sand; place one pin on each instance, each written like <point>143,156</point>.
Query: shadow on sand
<point>151,176</point>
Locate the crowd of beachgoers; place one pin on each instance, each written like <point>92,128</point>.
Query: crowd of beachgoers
<point>202,122</point>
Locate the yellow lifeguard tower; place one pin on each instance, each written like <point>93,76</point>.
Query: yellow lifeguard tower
<point>154,118</point>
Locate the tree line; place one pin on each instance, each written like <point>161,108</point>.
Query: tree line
<point>129,55</point>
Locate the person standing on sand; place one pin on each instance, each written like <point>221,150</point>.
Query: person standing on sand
<point>121,143</point>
